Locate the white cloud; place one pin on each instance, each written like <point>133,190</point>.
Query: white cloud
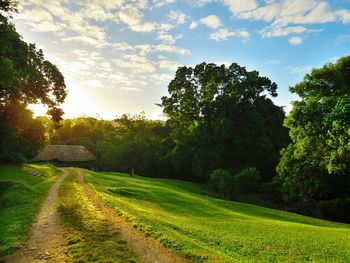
<point>244,34</point>
<point>298,70</point>
<point>94,83</point>
<point>193,25</point>
<point>211,21</point>
<point>239,6</point>
<point>276,31</point>
<point>170,49</point>
<point>165,26</point>
<point>159,3</point>
<point>344,16</point>
<point>221,34</point>
<point>133,18</point>
<point>146,49</point>
<point>135,65</point>
<point>168,65</point>
<point>167,38</point>
<point>201,3</point>
<point>295,41</point>
<point>177,17</point>
<point>265,13</point>
<point>287,16</point>
<point>272,62</point>
<point>47,26</point>
<point>224,34</point>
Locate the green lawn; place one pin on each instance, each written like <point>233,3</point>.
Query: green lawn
<point>20,198</point>
<point>207,229</point>
<point>89,236</point>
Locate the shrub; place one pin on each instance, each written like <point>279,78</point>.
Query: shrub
<point>13,157</point>
<point>272,190</point>
<point>248,180</point>
<point>336,209</point>
<point>222,182</point>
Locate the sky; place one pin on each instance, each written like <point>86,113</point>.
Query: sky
<point>118,56</point>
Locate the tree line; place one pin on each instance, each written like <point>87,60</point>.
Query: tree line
<point>222,128</point>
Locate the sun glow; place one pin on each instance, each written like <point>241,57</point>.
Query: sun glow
<point>38,109</point>
<point>78,103</point>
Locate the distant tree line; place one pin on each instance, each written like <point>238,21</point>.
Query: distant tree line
<point>222,128</point>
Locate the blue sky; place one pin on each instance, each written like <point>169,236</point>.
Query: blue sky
<point>118,56</point>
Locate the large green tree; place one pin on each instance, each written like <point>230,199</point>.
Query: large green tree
<point>222,117</point>
<point>25,78</point>
<point>316,165</point>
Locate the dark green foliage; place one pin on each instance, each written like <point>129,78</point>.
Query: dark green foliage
<point>248,180</point>
<point>119,145</point>
<point>21,136</point>
<point>336,209</point>
<point>222,182</point>
<point>8,5</point>
<point>272,191</point>
<point>222,117</point>
<point>315,166</point>
<point>25,77</point>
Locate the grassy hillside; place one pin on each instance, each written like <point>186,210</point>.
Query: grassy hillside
<point>89,237</point>
<point>20,197</point>
<point>207,229</point>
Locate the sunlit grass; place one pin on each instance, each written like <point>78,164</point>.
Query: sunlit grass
<point>89,236</point>
<point>20,198</point>
<point>207,229</point>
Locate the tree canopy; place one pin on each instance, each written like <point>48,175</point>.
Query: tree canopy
<point>316,165</point>
<point>222,117</point>
<point>25,78</point>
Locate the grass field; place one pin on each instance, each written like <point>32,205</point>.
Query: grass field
<point>202,228</point>
<point>20,198</point>
<point>89,237</point>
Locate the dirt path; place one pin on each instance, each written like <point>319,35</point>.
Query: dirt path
<point>46,243</point>
<point>148,250</point>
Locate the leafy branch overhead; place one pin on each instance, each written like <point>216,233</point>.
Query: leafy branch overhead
<point>25,76</point>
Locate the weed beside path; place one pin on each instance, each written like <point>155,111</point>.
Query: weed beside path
<point>46,241</point>
<point>22,192</point>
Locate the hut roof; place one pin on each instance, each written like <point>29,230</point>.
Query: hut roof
<point>65,153</point>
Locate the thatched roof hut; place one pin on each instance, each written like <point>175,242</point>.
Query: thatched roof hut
<point>65,154</point>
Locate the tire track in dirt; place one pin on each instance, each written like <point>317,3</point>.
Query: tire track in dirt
<point>148,250</point>
<point>46,242</point>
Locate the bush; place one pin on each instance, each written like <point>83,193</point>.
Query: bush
<point>222,182</point>
<point>13,157</point>
<point>336,209</point>
<point>272,190</point>
<point>248,180</point>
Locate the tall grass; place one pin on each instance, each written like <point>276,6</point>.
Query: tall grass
<point>20,197</point>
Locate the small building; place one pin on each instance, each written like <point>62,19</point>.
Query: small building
<point>67,155</point>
